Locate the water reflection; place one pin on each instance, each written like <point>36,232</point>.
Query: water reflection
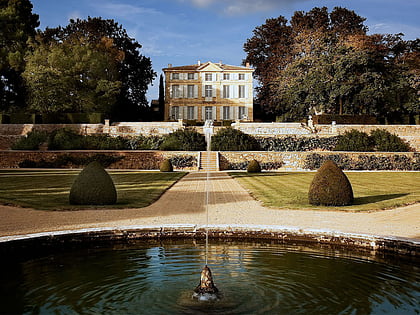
<point>257,278</point>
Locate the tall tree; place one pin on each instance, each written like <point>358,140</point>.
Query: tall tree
<point>73,76</point>
<point>17,25</point>
<point>161,98</point>
<point>135,70</point>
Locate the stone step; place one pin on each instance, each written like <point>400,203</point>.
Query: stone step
<point>208,161</point>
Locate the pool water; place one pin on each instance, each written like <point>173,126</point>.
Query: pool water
<point>253,277</point>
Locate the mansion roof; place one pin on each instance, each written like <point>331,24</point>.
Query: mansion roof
<point>208,66</point>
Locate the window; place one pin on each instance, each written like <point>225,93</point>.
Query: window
<point>241,76</point>
<point>241,91</point>
<point>242,112</point>
<point>226,112</point>
<point>190,76</point>
<point>190,113</point>
<point>190,91</point>
<point>208,91</point>
<point>226,76</point>
<point>208,113</point>
<point>175,76</point>
<point>176,91</point>
<point>226,89</point>
<point>175,112</point>
<point>209,77</point>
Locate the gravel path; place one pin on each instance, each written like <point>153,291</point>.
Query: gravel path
<point>229,203</point>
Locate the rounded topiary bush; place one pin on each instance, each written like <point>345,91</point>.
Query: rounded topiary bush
<point>330,187</point>
<point>254,167</point>
<point>166,166</point>
<point>93,186</point>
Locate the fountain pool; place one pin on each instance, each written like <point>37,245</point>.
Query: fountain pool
<point>261,277</point>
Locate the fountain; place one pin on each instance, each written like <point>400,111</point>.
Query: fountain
<point>155,276</point>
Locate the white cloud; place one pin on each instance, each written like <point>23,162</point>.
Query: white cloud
<point>241,7</point>
<point>124,10</point>
<point>74,15</point>
<point>410,31</point>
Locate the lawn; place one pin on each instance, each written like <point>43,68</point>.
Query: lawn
<point>372,190</point>
<point>49,190</point>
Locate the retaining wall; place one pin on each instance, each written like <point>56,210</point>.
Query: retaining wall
<point>292,161</point>
<point>145,160</point>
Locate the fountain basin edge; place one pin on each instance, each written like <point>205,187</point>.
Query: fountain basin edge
<point>375,244</point>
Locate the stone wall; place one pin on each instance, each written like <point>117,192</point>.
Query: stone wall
<point>410,133</point>
<point>291,161</point>
<point>132,159</point>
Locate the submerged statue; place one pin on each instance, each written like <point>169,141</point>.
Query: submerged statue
<point>206,286</point>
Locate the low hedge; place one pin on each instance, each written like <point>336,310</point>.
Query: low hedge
<point>366,162</point>
<point>293,143</point>
<point>242,166</point>
<point>67,160</point>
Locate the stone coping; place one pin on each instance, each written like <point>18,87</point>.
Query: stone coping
<point>375,244</point>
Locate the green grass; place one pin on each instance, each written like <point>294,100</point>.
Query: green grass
<point>372,190</point>
<point>49,190</point>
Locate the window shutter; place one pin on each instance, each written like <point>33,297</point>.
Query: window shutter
<point>195,76</point>
<point>196,112</point>
<point>214,113</point>
<point>195,91</point>
<point>203,113</point>
<point>232,91</point>
<point>246,91</point>
<point>184,91</point>
<point>170,91</point>
<point>214,91</point>
<point>221,112</point>
<point>203,90</point>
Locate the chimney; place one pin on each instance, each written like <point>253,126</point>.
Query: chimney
<point>220,62</point>
<point>248,65</point>
<point>199,62</point>
<point>169,65</point>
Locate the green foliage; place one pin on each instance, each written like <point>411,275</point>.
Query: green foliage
<point>254,167</point>
<point>93,186</point>
<point>134,69</point>
<point>72,76</point>
<point>166,166</point>
<point>67,160</point>
<point>17,27</point>
<point>145,142</point>
<point>229,139</point>
<point>387,142</point>
<point>330,187</point>
<point>65,139</point>
<point>292,143</point>
<point>366,162</point>
<point>354,140</point>
<point>184,140</point>
<point>181,161</point>
<point>31,141</point>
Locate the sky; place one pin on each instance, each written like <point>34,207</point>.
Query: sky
<point>181,32</point>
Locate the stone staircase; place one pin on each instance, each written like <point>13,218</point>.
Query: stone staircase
<point>208,161</point>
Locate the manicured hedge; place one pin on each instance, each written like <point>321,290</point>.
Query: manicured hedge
<point>293,143</point>
<point>366,162</point>
<point>67,160</point>
<point>264,165</point>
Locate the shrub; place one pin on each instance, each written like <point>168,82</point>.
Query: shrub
<point>93,186</point>
<point>292,143</point>
<point>103,142</point>
<point>254,167</point>
<point>330,187</point>
<point>166,166</point>
<point>65,139</point>
<point>32,141</point>
<point>184,140</point>
<point>144,143</point>
<point>229,139</point>
<point>354,140</point>
<point>384,141</point>
<point>181,161</point>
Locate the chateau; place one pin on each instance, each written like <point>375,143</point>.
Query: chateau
<point>208,91</point>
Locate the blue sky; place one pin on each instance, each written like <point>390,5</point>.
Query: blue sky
<point>181,32</point>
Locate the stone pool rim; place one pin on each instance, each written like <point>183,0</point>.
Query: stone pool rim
<point>375,244</point>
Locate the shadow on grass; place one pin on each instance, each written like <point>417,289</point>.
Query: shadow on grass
<point>377,198</point>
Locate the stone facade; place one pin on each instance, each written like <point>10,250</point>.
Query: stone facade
<point>209,91</point>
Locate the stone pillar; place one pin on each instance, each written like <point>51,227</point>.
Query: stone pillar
<point>333,127</point>
<point>106,127</point>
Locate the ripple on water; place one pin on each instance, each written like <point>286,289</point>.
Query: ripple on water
<point>257,278</point>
